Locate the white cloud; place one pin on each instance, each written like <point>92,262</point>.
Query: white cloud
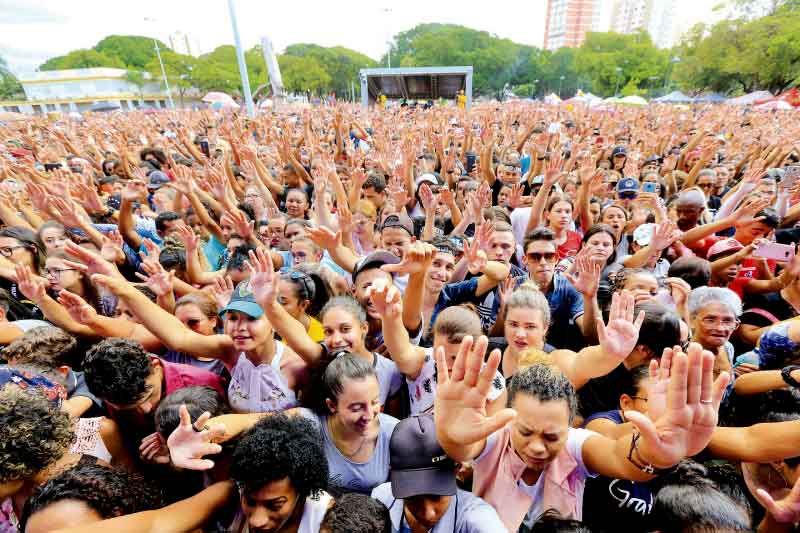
<point>31,31</point>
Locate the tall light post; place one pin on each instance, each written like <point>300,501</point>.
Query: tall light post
<point>616,87</point>
<point>672,61</point>
<point>560,81</point>
<point>533,90</point>
<point>388,12</point>
<point>163,71</point>
<point>248,98</point>
<point>652,83</point>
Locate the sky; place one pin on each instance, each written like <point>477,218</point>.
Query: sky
<point>31,31</point>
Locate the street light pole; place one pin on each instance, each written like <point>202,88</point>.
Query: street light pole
<point>672,61</point>
<point>560,81</point>
<point>616,87</point>
<point>248,98</point>
<point>163,71</point>
<point>388,12</point>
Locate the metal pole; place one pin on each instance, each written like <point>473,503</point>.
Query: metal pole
<point>248,98</point>
<point>164,75</point>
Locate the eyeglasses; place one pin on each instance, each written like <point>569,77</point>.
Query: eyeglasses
<point>537,257</point>
<point>711,321</point>
<point>638,398</point>
<point>705,185</point>
<point>8,251</point>
<point>56,272</point>
<point>628,195</point>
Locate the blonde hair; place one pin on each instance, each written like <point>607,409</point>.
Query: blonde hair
<point>366,208</point>
<point>528,296</point>
<point>535,356</point>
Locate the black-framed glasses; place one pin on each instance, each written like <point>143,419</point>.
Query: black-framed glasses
<point>8,251</point>
<point>56,272</point>
<point>638,398</point>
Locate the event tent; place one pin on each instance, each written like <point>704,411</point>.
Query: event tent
<point>675,97</point>
<point>633,100</point>
<point>710,98</point>
<point>751,98</point>
<point>775,104</point>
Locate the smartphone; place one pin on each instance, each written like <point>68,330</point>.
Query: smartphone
<point>649,186</point>
<point>471,160</point>
<point>49,167</point>
<point>204,147</point>
<point>775,251</point>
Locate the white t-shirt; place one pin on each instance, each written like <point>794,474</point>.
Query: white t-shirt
<point>422,391</point>
<point>575,439</point>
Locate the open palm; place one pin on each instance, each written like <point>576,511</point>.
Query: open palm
<point>187,444</point>
<point>461,394</point>
<point>620,336</point>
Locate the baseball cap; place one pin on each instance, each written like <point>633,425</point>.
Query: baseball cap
<point>374,260</point>
<point>628,185</point>
<point>725,245</point>
<point>642,234</point>
<point>427,177</point>
<point>419,464</point>
<point>619,150</point>
<point>244,301</point>
<point>652,159</point>
<point>396,221</point>
<point>157,180</point>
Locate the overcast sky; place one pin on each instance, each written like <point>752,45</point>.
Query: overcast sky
<point>32,31</point>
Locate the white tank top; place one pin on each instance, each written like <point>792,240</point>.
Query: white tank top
<point>262,388</point>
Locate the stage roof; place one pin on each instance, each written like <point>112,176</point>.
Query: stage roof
<point>416,83</point>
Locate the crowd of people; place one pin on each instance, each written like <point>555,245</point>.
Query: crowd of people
<point>518,317</point>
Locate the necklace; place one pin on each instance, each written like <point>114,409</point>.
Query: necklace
<point>335,438</point>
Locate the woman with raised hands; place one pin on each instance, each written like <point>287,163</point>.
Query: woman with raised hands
<point>266,375</point>
<point>344,325</point>
<point>528,459</point>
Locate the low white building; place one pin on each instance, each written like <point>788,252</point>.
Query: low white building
<point>80,89</point>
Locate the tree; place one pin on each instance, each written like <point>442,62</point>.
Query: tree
<point>134,51</point>
<point>86,58</point>
<point>10,88</point>
<point>301,74</point>
<point>136,77</point>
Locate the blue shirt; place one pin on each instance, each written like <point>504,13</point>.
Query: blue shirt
<point>566,305</point>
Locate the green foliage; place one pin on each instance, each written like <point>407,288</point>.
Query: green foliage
<point>88,58</point>
<point>10,89</point>
<point>301,74</point>
<point>742,55</point>
<point>340,64</point>
<point>134,51</point>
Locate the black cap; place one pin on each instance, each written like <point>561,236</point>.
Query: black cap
<point>374,260</point>
<point>419,464</point>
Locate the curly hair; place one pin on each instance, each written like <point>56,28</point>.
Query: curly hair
<point>356,513</point>
<point>33,433</point>
<point>545,383</point>
<point>277,447</point>
<point>116,370</point>
<point>45,345</point>
<point>109,491</point>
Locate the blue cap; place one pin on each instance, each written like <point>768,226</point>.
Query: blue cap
<point>628,185</point>
<point>157,180</point>
<point>244,301</point>
<point>619,150</point>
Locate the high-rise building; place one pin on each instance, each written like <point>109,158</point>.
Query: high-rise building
<point>654,16</point>
<point>567,22</point>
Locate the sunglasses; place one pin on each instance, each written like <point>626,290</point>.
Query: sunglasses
<point>537,257</point>
<point>628,195</point>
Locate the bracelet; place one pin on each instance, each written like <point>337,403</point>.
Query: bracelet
<point>639,463</point>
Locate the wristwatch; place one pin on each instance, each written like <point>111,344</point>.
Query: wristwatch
<point>786,374</point>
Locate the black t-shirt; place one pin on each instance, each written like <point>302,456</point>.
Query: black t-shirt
<point>20,307</point>
<point>761,310</point>
<point>602,394</point>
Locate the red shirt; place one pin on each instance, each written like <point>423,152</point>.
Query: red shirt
<point>178,376</point>
<point>571,246</point>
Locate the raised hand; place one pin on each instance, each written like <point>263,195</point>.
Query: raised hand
<point>324,237</point>
<point>692,409</point>
<point>188,443</point>
<point>619,337</point>
<point>112,247</point>
<point>416,259</point>
<point>461,393</point>
<point>238,220</point>
<point>427,197</point>
<point>222,290</point>
<point>190,240</point>
<point>135,190</point>
<point>664,235</point>
<point>80,311</point>
<point>585,276</point>
<point>386,298</point>
<point>33,287</point>
<point>263,278</point>
<point>159,280</point>
<point>476,258</point>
